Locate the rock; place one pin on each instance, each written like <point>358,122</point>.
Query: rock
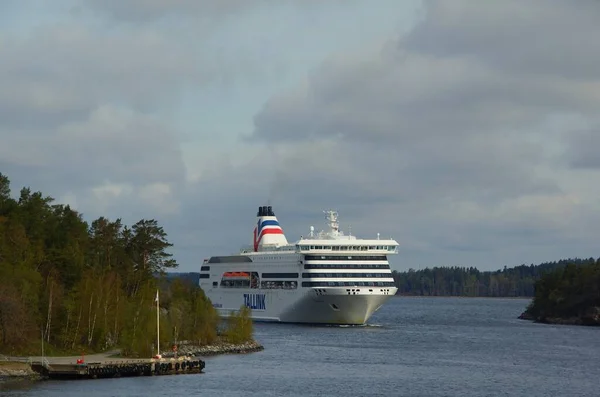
<point>213,350</point>
<point>561,320</point>
<point>526,316</point>
<point>16,370</point>
<point>591,316</point>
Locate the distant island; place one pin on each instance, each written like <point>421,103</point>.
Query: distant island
<point>567,295</point>
<point>79,287</point>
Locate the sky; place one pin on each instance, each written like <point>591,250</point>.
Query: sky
<point>466,130</point>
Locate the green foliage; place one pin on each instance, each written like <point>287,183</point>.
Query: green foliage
<point>570,291</point>
<point>192,315</point>
<point>518,281</point>
<point>89,287</point>
<point>139,336</point>
<point>239,326</point>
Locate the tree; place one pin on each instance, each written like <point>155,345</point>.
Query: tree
<point>149,246</point>
<point>5,201</point>
<point>239,326</point>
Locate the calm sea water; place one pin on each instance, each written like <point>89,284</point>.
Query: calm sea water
<point>412,347</point>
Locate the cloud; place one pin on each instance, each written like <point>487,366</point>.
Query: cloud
<point>153,10</point>
<point>583,149</point>
<point>136,10</point>
<point>84,114</point>
<point>61,72</point>
<point>455,115</point>
<point>116,145</point>
<point>470,139</point>
<point>537,37</point>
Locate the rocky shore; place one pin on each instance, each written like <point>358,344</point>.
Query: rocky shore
<point>12,370</point>
<point>590,316</point>
<point>216,349</point>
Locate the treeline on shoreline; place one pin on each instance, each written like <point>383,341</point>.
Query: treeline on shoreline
<point>517,281</point>
<point>90,287</point>
<point>568,295</point>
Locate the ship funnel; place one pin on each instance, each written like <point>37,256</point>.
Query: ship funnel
<point>267,232</point>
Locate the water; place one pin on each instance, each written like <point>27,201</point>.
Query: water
<point>412,347</point>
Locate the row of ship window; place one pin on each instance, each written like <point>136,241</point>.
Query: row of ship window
<point>390,248</point>
<point>315,275</point>
<point>348,284</point>
<point>328,275</point>
<point>346,275</point>
<point>335,266</point>
<point>263,285</point>
<point>294,284</point>
<point>314,266</point>
<point>339,257</point>
<point>345,258</point>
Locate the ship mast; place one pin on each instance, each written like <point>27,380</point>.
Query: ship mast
<point>332,218</point>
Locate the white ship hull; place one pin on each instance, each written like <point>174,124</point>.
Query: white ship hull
<point>334,306</point>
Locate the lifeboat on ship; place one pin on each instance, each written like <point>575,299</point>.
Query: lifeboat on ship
<point>232,276</point>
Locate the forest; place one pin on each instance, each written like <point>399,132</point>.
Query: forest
<point>517,281</point>
<point>570,293</point>
<point>85,287</point>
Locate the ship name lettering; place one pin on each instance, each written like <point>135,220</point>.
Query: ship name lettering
<point>255,301</point>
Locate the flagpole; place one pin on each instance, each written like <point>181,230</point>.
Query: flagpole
<point>157,326</point>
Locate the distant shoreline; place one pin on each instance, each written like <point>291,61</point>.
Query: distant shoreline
<point>465,297</point>
<point>589,320</point>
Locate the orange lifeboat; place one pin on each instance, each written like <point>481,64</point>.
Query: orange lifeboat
<point>237,275</point>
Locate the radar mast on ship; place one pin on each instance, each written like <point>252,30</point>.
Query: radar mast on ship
<point>334,226</point>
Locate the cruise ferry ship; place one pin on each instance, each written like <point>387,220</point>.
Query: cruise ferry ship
<point>325,278</point>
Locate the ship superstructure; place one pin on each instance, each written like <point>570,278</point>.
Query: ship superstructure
<point>325,278</point>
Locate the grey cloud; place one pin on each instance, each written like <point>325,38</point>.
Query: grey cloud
<point>445,111</point>
<point>152,10</point>
<point>75,106</point>
<point>129,147</point>
<point>447,126</point>
<point>63,72</point>
<point>409,97</point>
<point>113,145</point>
<point>536,37</point>
<point>584,148</point>
<point>439,81</point>
<point>439,146</point>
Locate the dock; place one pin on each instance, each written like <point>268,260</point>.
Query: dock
<point>120,368</point>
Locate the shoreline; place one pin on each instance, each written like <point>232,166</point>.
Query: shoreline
<point>465,297</point>
<point>592,320</point>
<point>215,350</point>
<point>15,371</point>
<point>18,370</point>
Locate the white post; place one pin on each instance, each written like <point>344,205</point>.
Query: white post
<point>157,326</point>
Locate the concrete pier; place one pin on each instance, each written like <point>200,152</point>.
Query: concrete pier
<point>120,368</point>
